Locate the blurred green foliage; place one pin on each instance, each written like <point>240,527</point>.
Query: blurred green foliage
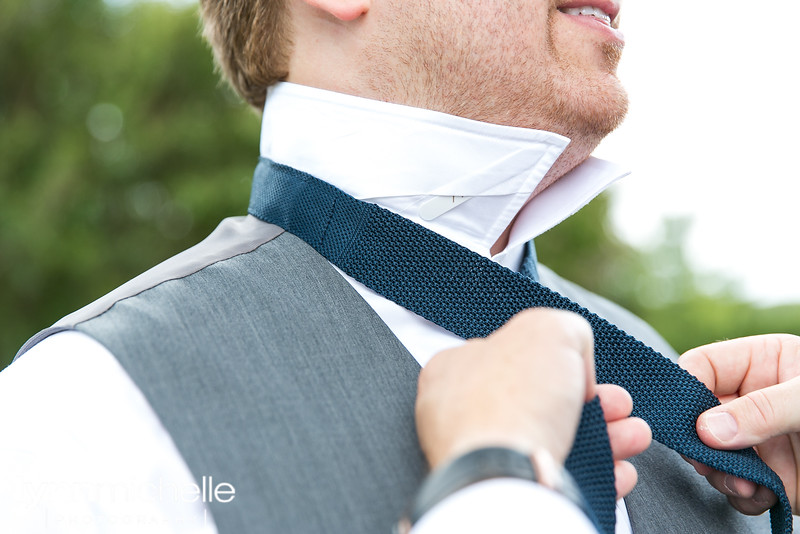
<point>689,309</point>
<point>119,147</point>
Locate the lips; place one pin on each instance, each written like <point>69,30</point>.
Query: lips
<point>604,11</point>
<point>588,11</point>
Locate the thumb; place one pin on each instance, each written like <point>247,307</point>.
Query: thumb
<point>753,418</point>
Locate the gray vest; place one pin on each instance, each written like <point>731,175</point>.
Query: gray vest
<point>271,373</point>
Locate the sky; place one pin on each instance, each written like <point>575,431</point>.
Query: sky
<point>712,134</point>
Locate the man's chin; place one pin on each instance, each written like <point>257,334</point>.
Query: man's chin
<point>604,117</point>
<point>602,101</point>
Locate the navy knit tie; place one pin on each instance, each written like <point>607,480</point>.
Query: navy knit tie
<point>472,296</point>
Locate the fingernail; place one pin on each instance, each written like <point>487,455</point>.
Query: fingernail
<point>730,484</point>
<point>722,425</point>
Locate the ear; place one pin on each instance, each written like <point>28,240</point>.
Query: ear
<point>344,10</point>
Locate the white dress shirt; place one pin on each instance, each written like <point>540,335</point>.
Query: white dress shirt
<point>463,179</point>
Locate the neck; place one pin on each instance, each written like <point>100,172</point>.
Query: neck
<point>463,179</point>
<point>575,154</point>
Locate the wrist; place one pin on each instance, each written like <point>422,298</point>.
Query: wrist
<point>486,463</point>
<point>483,440</point>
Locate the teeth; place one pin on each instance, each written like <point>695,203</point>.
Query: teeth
<point>588,11</point>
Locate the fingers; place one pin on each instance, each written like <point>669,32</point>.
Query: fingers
<point>625,478</point>
<point>753,418</point>
<point>522,387</point>
<point>628,437</point>
<point>586,336</point>
<point>567,328</point>
<point>758,381</point>
<point>742,365</point>
<point>702,469</point>
<point>744,495</point>
<point>761,376</point>
<point>762,500</point>
<point>615,401</point>
<point>730,485</point>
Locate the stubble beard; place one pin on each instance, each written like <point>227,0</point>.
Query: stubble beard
<point>433,70</point>
<point>588,106</point>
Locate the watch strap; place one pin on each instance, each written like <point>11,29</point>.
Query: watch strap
<point>487,463</point>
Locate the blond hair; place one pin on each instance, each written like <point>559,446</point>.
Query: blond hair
<point>251,42</point>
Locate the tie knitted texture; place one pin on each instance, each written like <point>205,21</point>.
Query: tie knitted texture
<point>472,296</point>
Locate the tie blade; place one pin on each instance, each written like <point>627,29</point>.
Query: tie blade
<point>591,464</point>
<point>471,296</point>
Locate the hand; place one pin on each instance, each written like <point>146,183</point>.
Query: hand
<point>757,379</point>
<point>523,387</point>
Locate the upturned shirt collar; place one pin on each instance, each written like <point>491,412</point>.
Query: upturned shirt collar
<point>464,179</point>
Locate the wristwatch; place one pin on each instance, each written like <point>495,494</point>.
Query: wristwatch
<point>484,464</point>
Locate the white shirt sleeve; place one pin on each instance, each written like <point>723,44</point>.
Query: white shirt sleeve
<point>83,451</point>
<point>505,506</point>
